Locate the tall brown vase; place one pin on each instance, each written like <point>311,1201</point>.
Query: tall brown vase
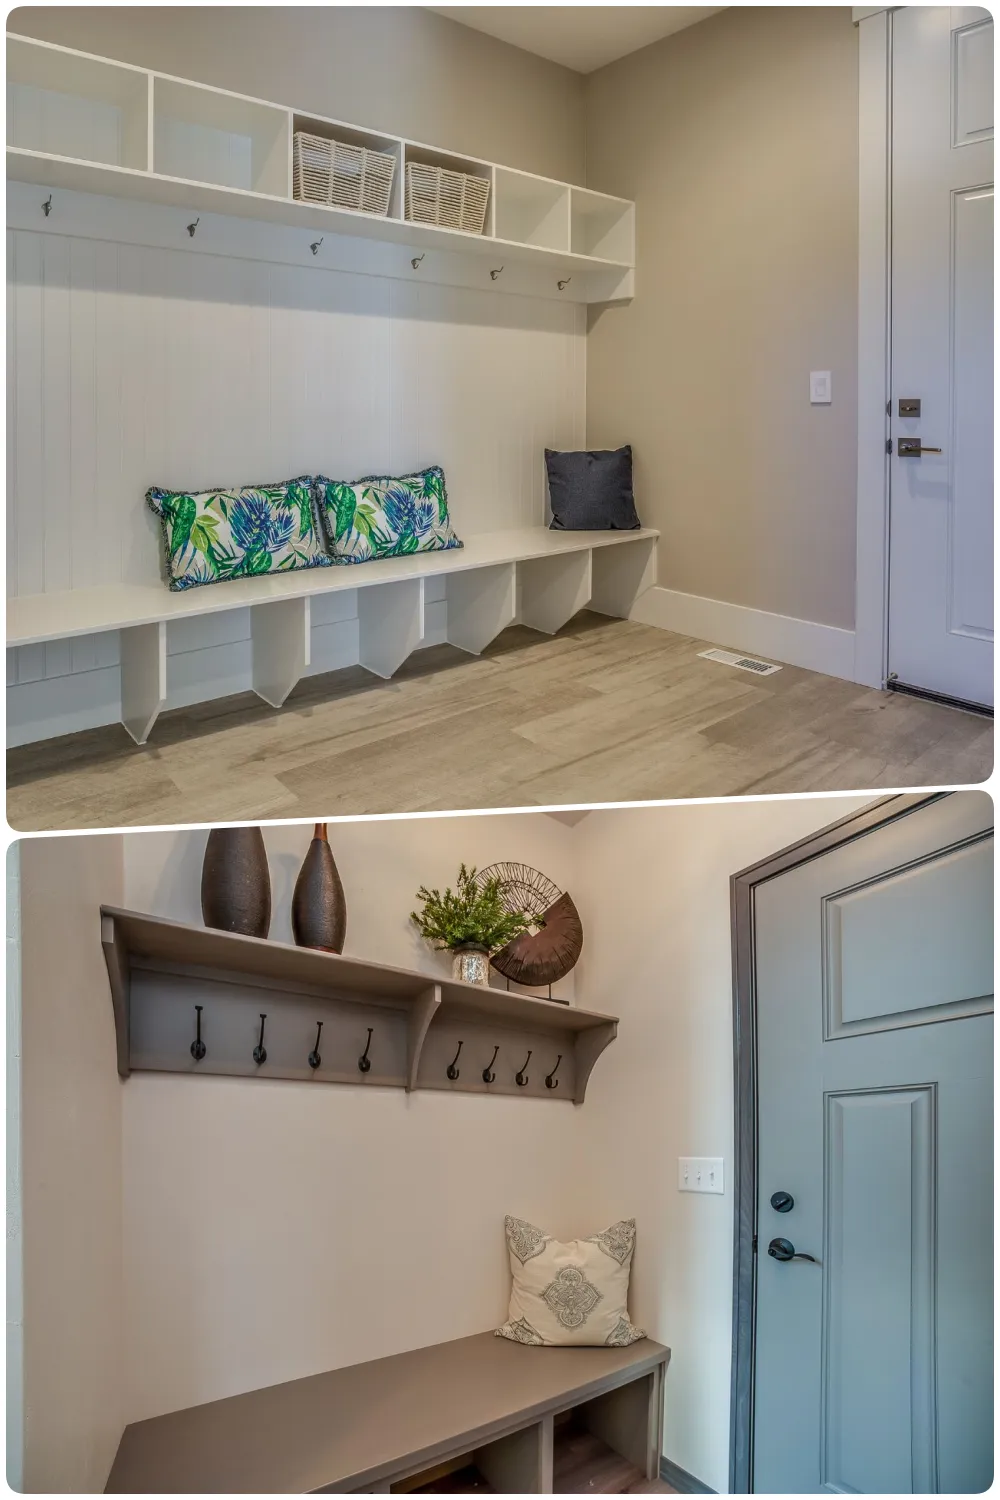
<point>235,884</point>
<point>319,908</point>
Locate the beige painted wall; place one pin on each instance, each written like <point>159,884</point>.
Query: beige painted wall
<point>276,1229</point>
<point>738,140</point>
<point>401,69</point>
<point>655,896</point>
<point>71,1168</point>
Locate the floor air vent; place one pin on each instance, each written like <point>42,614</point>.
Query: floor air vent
<point>745,663</point>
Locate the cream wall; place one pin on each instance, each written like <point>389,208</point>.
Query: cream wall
<point>275,1229</point>
<point>654,884</point>
<point>71,1157</point>
<point>401,69</point>
<point>738,140</point>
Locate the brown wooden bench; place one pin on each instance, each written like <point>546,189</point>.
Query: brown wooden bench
<point>370,1427</point>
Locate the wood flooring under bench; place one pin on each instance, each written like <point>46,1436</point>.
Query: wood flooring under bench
<point>605,711</point>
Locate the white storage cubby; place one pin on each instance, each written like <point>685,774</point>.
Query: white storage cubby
<point>531,210</point>
<point>429,157</point>
<point>64,103</point>
<point>204,135</point>
<point>602,226</point>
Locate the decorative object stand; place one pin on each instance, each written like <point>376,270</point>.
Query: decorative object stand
<point>190,999</point>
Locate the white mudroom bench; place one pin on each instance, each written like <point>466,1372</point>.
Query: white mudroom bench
<point>539,576</point>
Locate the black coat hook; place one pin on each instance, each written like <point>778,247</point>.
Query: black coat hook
<point>198,1048</point>
<point>364,1061</point>
<point>521,1079</point>
<point>47,206</point>
<point>452,1069</point>
<point>496,273</point>
<point>192,227</point>
<point>314,247</point>
<point>415,262</point>
<point>488,1073</point>
<point>551,1081</point>
<point>314,1058</point>
<point>561,284</point>
<point>259,1054</point>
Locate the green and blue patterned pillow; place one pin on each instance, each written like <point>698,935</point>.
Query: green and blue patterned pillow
<point>386,517</point>
<point>213,535</point>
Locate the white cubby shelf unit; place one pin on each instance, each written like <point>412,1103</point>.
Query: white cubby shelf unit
<point>543,578</point>
<point>89,124</point>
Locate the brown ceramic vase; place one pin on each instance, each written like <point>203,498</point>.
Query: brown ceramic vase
<point>235,884</point>
<point>319,908</point>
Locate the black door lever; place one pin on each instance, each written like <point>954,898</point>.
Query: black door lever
<point>785,1250</point>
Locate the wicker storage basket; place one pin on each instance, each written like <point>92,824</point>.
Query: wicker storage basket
<point>454,200</point>
<point>325,171</point>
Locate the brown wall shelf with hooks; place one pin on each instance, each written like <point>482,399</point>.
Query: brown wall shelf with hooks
<point>191,999</point>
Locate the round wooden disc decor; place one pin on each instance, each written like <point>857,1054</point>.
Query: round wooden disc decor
<point>554,942</point>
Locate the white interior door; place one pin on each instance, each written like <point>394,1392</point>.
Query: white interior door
<point>874,980</point>
<point>941,500</point>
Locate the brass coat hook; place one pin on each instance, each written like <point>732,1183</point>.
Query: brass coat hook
<point>415,262</point>
<point>496,273</point>
<point>314,247</point>
<point>47,206</point>
<point>521,1079</point>
<point>452,1066</point>
<point>198,1048</point>
<point>551,1081</point>
<point>562,284</point>
<point>192,227</point>
<point>314,1058</point>
<point>364,1061</point>
<point>488,1073</point>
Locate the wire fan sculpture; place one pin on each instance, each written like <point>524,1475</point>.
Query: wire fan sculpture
<point>553,943</point>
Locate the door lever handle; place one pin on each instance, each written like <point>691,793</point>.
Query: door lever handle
<point>912,448</point>
<point>785,1250</point>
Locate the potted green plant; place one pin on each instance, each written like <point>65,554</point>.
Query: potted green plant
<point>472,922</point>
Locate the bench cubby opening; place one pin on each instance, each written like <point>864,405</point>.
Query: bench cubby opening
<point>201,134</point>
<point>67,104</point>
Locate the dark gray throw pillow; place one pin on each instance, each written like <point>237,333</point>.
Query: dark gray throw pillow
<point>591,491</point>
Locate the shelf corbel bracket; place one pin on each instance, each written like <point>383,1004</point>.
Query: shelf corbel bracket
<point>589,1046</point>
<point>119,977</point>
<point>422,1013</point>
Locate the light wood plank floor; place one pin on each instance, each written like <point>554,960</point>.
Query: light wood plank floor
<point>606,711</point>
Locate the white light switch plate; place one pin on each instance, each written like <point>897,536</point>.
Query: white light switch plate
<point>700,1174</point>
<point>820,387</point>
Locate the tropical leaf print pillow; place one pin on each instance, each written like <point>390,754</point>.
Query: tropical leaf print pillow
<point>382,517</point>
<point>212,535</point>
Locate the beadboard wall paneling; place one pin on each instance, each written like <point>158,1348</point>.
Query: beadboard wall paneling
<point>131,365</point>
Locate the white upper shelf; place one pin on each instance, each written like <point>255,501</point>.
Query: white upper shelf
<point>89,124</point>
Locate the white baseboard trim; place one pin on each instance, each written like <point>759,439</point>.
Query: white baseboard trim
<point>798,643</point>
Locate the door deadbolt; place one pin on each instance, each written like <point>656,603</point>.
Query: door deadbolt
<point>782,1203</point>
<point>909,406</point>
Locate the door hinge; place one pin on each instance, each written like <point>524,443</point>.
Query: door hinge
<point>888,446</point>
<point>755,1244</point>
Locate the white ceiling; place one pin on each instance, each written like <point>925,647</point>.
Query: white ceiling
<point>582,37</point>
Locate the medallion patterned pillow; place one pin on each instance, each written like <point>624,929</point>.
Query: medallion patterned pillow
<point>383,517</point>
<point>575,1293</point>
<point>214,535</point>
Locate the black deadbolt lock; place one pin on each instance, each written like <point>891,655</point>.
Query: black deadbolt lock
<point>782,1202</point>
